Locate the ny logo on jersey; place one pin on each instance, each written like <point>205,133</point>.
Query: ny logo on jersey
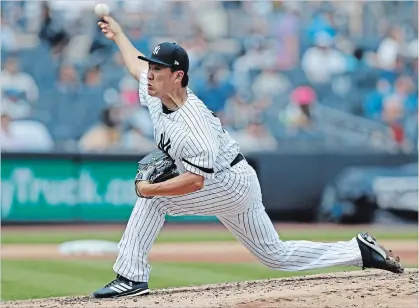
<point>165,147</point>
<point>156,50</point>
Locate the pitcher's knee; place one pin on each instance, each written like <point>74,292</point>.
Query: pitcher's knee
<point>272,260</point>
<point>273,257</point>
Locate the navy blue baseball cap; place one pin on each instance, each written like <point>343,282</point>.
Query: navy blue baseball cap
<point>171,55</point>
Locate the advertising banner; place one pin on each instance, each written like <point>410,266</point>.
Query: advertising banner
<point>37,190</point>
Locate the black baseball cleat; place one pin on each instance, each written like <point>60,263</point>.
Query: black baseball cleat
<point>120,287</point>
<point>374,255</point>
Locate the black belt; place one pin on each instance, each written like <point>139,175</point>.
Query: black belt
<point>238,159</point>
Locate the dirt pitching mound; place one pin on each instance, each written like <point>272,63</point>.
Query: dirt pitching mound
<point>367,288</point>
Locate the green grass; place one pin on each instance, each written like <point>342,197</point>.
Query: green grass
<point>39,279</point>
<point>45,237</point>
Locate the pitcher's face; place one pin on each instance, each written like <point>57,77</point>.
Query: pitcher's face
<point>161,80</point>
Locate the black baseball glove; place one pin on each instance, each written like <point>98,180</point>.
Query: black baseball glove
<point>156,167</point>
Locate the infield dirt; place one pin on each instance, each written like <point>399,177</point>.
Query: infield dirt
<point>367,288</point>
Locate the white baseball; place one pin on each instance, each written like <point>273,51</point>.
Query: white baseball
<point>101,9</point>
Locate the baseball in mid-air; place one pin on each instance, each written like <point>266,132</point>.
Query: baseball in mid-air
<point>101,9</point>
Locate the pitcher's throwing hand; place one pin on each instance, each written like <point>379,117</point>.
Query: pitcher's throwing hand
<point>109,27</point>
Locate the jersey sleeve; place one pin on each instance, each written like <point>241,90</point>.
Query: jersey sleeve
<point>143,95</point>
<point>199,155</point>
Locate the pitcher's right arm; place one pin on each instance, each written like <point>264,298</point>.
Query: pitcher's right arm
<point>113,31</point>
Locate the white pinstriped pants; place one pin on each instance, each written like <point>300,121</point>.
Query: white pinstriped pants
<point>236,200</point>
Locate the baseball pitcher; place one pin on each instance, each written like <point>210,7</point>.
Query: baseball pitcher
<point>198,170</point>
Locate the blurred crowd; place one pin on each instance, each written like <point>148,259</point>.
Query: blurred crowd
<point>281,75</point>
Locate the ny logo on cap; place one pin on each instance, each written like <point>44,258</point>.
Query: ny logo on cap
<point>176,63</point>
<point>156,50</point>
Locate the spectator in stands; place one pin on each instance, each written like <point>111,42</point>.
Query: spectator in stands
<point>258,54</point>
<point>8,35</point>
<point>270,82</point>
<point>105,135</point>
<point>372,107</point>
<point>52,31</point>
<point>129,91</point>
<point>393,114</point>
<point>140,116</point>
<point>23,135</point>
<point>19,91</point>
<point>322,22</point>
<point>13,79</point>
<point>322,60</point>
<point>255,138</point>
<point>286,30</point>
<point>404,90</point>
<point>397,109</point>
<point>68,80</point>
<point>238,112</point>
<point>134,139</point>
<point>398,69</point>
<point>390,48</point>
<point>296,116</point>
<point>357,61</point>
<point>16,103</point>
<point>214,91</point>
<point>8,141</point>
<point>93,77</point>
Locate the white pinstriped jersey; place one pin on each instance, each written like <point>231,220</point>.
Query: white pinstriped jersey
<point>192,135</point>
